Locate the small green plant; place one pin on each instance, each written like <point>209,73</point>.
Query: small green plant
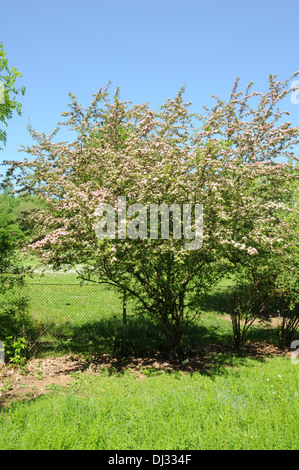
<point>39,375</point>
<point>7,386</point>
<point>54,387</point>
<point>15,349</point>
<point>150,371</point>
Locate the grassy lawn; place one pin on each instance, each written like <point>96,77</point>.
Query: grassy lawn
<point>253,405</point>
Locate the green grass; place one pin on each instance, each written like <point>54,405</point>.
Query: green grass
<point>253,405</point>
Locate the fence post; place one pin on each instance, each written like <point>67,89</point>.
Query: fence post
<point>123,346</point>
<point>2,353</point>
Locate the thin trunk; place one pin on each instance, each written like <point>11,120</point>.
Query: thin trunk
<point>172,323</point>
<point>124,332</point>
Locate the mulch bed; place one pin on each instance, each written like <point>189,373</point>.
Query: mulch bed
<point>40,375</point>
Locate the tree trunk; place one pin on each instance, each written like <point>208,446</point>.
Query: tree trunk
<point>172,323</point>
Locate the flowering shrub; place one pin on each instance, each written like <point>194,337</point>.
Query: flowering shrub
<point>225,160</point>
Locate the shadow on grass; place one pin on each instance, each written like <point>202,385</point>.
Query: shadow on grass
<point>143,337</point>
<point>216,301</point>
<point>104,336</point>
<point>207,349</point>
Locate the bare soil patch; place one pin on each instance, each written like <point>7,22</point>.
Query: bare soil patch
<point>39,376</point>
<point>271,322</point>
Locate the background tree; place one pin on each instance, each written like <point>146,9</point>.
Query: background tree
<point>14,317</point>
<point>13,306</point>
<point>8,78</point>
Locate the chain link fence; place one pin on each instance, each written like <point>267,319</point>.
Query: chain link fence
<point>73,318</point>
<point>90,318</point>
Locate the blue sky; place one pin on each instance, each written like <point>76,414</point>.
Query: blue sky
<point>148,49</point>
